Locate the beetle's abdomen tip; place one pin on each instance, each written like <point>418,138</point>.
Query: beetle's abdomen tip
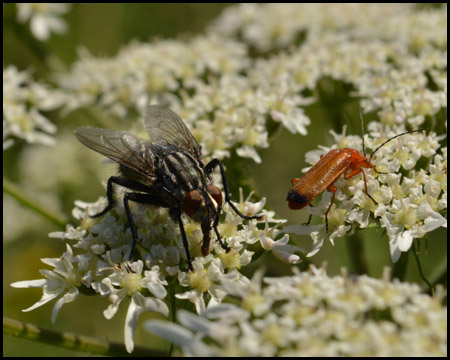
<point>296,201</point>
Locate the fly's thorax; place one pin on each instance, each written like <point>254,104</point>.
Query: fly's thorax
<point>179,172</point>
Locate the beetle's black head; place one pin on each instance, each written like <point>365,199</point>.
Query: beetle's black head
<point>296,201</point>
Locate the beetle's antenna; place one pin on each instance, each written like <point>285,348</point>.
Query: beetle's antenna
<point>362,131</point>
<point>392,138</point>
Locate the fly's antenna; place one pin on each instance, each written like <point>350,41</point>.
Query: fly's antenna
<point>362,131</point>
<point>392,138</point>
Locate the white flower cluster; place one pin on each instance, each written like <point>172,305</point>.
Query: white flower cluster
<point>202,79</point>
<point>312,314</point>
<point>397,68</point>
<point>241,106</point>
<point>144,71</point>
<point>408,206</point>
<point>23,102</point>
<point>402,84</point>
<point>268,27</point>
<point>44,18</point>
<point>105,243</point>
<point>392,56</point>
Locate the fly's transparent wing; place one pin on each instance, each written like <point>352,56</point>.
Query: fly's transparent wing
<point>122,147</point>
<point>164,126</point>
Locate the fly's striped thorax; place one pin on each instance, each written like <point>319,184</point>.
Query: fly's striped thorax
<point>182,172</point>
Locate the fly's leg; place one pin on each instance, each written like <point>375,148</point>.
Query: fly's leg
<point>176,214</point>
<point>208,169</point>
<point>122,181</point>
<point>109,196</point>
<point>222,244</point>
<point>148,199</point>
<point>206,229</point>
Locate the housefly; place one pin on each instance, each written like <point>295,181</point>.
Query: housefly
<point>167,171</point>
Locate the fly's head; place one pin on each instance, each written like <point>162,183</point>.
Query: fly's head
<point>203,205</point>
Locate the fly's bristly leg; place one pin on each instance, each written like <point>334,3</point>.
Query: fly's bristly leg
<point>176,214</point>
<point>121,181</point>
<point>219,238</point>
<point>147,199</point>
<point>208,169</point>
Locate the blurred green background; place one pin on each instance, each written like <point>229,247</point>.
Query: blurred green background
<point>103,29</point>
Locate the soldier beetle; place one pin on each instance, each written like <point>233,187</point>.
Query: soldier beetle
<point>323,175</point>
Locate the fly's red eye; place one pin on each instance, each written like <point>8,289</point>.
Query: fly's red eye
<point>215,193</point>
<point>192,202</point>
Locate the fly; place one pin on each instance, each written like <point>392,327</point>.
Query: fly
<point>167,171</point>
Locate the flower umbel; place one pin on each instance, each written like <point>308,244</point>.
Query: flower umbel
<point>105,243</point>
<point>312,314</point>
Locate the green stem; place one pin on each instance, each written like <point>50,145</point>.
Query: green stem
<point>357,255</point>
<point>14,191</point>
<point>399,268</point>
<point>419,267</point>
<point>71,341</point>
<point>173,310</point>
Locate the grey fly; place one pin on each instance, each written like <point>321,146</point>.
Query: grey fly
<point>167,171</point>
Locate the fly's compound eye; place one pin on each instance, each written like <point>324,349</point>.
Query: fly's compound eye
<point>192,202</point>
<point>215,193</point>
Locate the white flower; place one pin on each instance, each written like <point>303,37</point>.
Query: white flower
<point>127,280</point>
<point>23,102</point>
<point>63,280</point>
<point>44,18</point>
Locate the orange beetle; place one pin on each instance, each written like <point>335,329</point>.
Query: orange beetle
<point>328,169</point>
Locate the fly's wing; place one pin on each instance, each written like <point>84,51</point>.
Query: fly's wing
<point>166,127</point>
<point>122,147</point>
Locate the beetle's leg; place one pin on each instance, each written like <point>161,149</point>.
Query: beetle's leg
<point>333,189</point>
<point>309,220</point>
<point>353,172</point>
<point>148,199</point>
<point>379,172</point>
<point>356,172</point>
<point>365,187</point>
<point>208,169</point>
